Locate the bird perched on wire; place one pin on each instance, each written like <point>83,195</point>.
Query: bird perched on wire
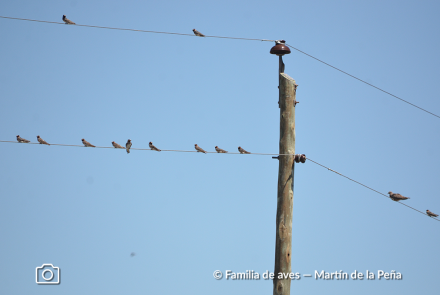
<point>397,197</point>
<point>431,214</point>
<point>41,141</point>
<point>68,21</point>
<point>243,151</point>
<point>19,139</point>
<point>197,33</point>
<point>86,143</point>
<point>153,147</point>
<point>199,149</point>
<point>219,150</point>
<point>128,146</point>
<point>117,146</point>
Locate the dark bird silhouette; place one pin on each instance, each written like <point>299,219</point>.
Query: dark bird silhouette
<point>68,21</point>
<point>117,146</point>
<point>397,197</point>
<point>430,214</point>
<point>199,149</point>
<point>41,141</point>
<point>19,139</point>
<point>219,150</point>
<point>86,143</point>
<point>153,147</point>
<point>128,146</point>
<point>197,33</point>
<point>243,151</point>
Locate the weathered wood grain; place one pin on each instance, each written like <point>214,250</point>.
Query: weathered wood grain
<point>283,244</point>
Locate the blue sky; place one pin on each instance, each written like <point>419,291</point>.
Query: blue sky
<point>186,215</point>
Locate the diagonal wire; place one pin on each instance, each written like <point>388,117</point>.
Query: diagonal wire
<point>363,81</point>
<point>370,188</point>
<point>133,30</point>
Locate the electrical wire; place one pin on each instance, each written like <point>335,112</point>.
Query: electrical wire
<point>134,30</point>
<point>224,37</point>
<point>235,38</point>
<point>370,188</point>
<point>141,149</point>
<point>363,81</point>
<point>259,154</point>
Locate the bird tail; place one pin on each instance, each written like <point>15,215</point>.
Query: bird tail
<point>128,151</point>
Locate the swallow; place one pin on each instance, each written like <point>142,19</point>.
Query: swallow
<point>68,21</point>
<point>153,147</point>
<point>117,146</point>
<point>197,33</point>
<point>242,151</point>
<point>430,214</point>
<point>86,143</point>
<point>128,146</point>
<point>397,197</point>
<point>199,149</point>
<point>19,139</point>
<point>219,150</point>
<point>41,141</point>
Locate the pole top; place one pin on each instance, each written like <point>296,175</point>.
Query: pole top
<point>280,48</point>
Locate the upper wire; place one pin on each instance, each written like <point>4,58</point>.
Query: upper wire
<point>225,37</point>
<point>135,30</point>
<point>363,81</point>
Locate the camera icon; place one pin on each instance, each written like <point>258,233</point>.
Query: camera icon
<point>47,274</point>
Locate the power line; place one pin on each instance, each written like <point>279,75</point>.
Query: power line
<point>235,38</point>
<point>140,149</point>
<point>134,30</point>
<point>224,37</point>
<point>259,154</point>
<point>369,188</point>
<point>363,81</point>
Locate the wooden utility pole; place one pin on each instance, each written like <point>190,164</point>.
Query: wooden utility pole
<point>283,246</point>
